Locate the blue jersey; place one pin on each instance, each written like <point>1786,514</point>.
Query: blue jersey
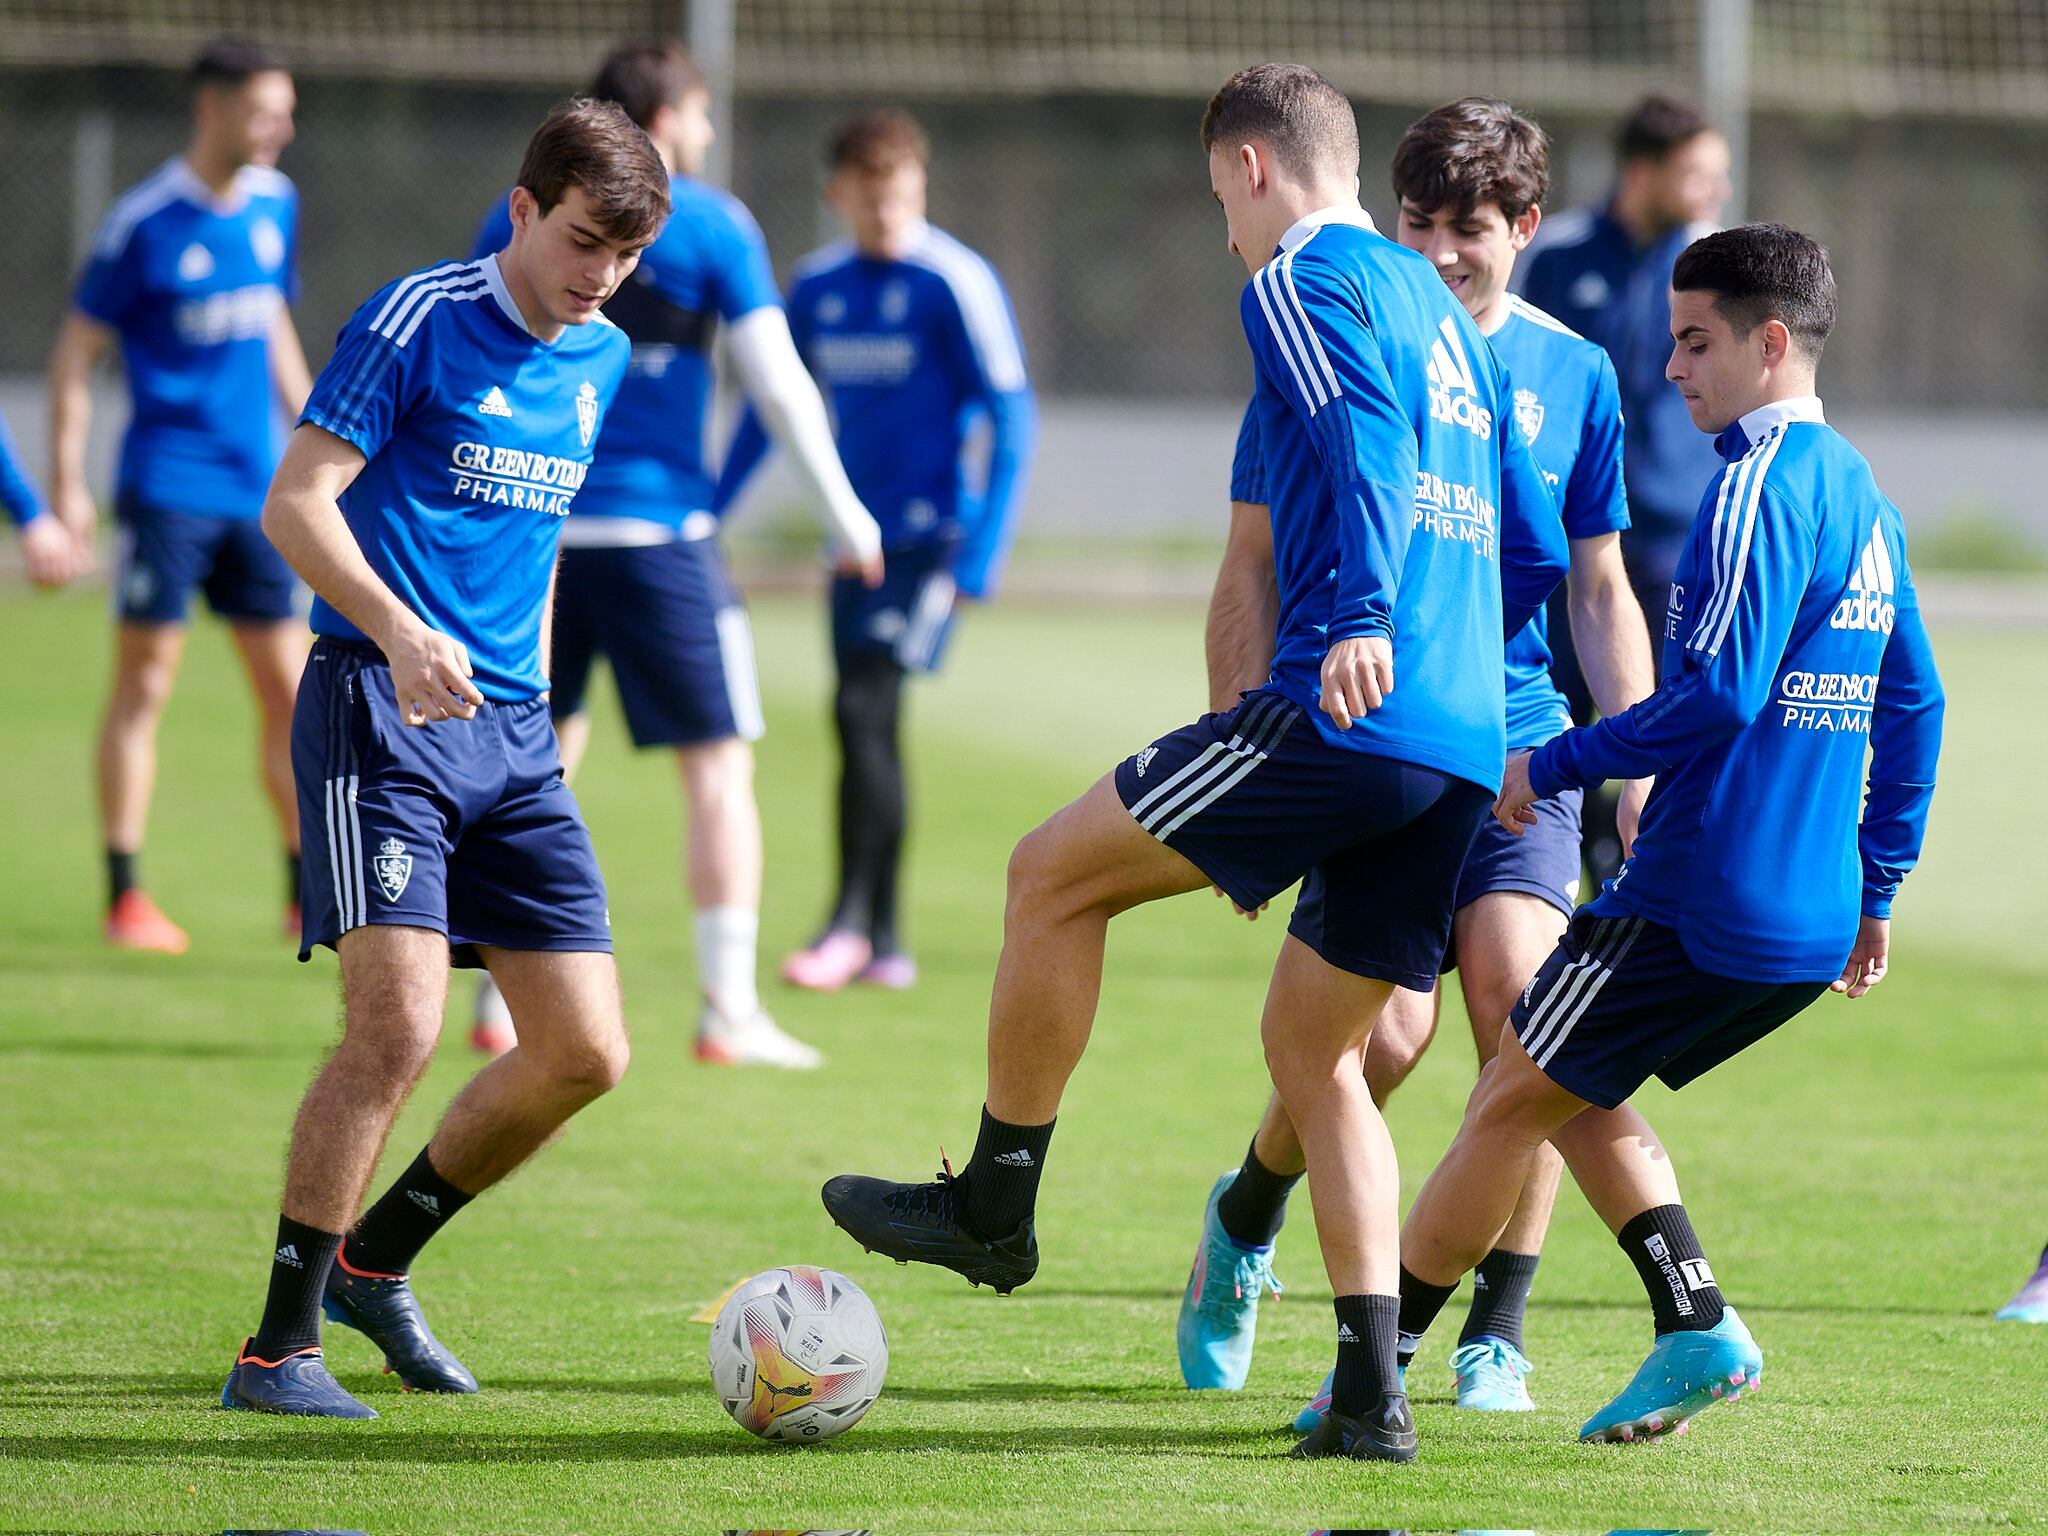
<point>17,492</point>
<point>1567,406</point>
<point>911,354</point>
<point>1247,463</point>
<point>1403,502</point>
<point>193,286</point>
<point>708,264</point>
<point>1587,272</point>
<point>1793,647</point>
<point>478,435</point>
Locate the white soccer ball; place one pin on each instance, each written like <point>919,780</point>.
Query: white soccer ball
<point>798,1354</point>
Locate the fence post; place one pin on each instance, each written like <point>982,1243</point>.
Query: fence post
<point>708,34</point>
<point>1725,41</point>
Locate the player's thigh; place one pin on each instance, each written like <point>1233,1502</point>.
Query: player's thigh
<point>394,990</point>
<point>1501,940</point>
<point>1517,1097</point>
<point>1318,1016</point>
<point>718,776</point>
<point>1091,854</point>
<point>572,1020</point>
<point>273,654</point>
<point>1402,1034</point>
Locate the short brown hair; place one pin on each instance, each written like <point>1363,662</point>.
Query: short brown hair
<point>879,141</point>
<point>232,61</point>
<point>647,74</point>
<point>1759,272</point>
<point>1657,125</point>
<point>595,147</point>
<point>1475,150</point>
<point>1302,118</point>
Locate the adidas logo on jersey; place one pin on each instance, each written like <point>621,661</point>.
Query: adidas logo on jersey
<point>1867,604</point>
<point>1453,393</point>
<point>494,404</point>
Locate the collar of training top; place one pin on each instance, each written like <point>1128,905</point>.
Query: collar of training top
<point>1750,429</point>
<point>1309,223</point>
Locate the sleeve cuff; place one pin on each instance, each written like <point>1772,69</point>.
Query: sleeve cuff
<point>317,416</point>
<point>1364,627</point>
<point>1546,774</point>
<point>1877,905</point>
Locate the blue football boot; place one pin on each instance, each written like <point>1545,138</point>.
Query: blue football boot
<point>1219,1314</point>
<point>2031,1304</point>
<point>297,1384</point>
<point>1490,1372</point>
<point>1684,1373</point>
<point>383,1309</point>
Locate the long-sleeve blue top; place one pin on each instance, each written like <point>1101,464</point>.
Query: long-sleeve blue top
<point>18,493</point>
<point>1793,647</point>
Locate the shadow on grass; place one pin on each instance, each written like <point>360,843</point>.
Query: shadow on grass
<point>166,1047</point>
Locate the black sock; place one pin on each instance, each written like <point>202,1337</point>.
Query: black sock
<point>1367,1367</point>
<point>298,1276</point>
<point>1666,1253</point>
<point>291,876</point>
<point>120,875</point>
<point>1420,1303</point>
<point>866,712</point>
<point>1500,1294</point>
<point>1253,1207</point>
<point>1002,1176</point>
<point>397,1227</point>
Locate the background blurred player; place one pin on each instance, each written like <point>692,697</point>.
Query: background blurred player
<point>912,337</point>
<point>643,583</point>
<point>193,271</point>
<point>48,549</point>
<point>1606,273</point>
<point>422,497</point>
<point>1795,649</point>
<point>1470,177</point>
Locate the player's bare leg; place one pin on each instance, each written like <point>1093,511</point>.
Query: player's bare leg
<point>273,656</point>
<point>146,658</point>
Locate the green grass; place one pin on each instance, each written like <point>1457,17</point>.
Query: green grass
<point>1868,1184</point>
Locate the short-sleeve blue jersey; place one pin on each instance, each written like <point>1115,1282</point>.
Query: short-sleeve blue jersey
<point>1403,502</point>
<point>1247,464</point>
<point>18,496</point>
<point>192,285</point>
<point>911,354</point>
<point>478,436</point>
<point>1567,406</point>
<point>708,264</point>
<point>1793,647</point>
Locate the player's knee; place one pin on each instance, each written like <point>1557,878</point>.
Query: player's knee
<point>593,1066</point>
<point>142,690</point>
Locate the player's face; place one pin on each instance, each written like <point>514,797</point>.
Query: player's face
<point>251,122</point>
<point>569,264</point>
<point>1691,185</point>
<point>1473,251</point>
<point>1721,375</point>
<point>689,134</point>
<point>881,207</point>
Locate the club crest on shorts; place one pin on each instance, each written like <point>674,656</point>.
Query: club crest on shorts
<point>1528,413</point>
<point>586,411</point>
<point>394,868</point>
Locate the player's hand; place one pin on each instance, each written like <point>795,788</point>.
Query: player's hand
<point>869,570</point>
<point>1628,811</point>
<point>53,556</point>
<point>1252,916</point>
<point>1867,961</point>
<point>1512,808</point>
<point>430,675</point>
<point>1357,677</point>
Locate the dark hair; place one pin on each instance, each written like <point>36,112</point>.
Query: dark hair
<point>232,60</point>
<point>1473,151</point>
<point>647,74</point>
<point>878,141</point>
<point>1759,272</point>
<point>1657,125</point>
<point>594,146</point>
<point>1302,118</point>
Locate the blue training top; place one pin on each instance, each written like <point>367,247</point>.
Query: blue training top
<point>18,495</point>
<point>708,264</point>
<point>1402,502</point>
<point>1793,646</point>
<point>478,435</point>
<point>193,286</point>
<point>911,354</point>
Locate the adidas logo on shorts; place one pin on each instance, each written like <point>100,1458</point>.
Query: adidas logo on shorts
<point>1143,760</point>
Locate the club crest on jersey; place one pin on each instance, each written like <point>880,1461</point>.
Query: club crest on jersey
<point>195,264</point>
<point>394,868</point>
<point>586,411</point>
<point>1528,413</point>
<point>895,303</point>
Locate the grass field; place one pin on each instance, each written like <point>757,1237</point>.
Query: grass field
<point>1870,1185</point>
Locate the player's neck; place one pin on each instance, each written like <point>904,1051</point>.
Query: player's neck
<point>1632,210</point>
<point>1493,314</point>
<point>215,170</point>
<point>1781,385</point>
<point>539,322</point>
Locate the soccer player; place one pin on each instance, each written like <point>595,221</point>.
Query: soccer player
<point>1470,177</point>
<point>193,272</point>
<point>2031,1304</point>
<point>422,498</point>
<point>911,335</point>
<point>1411,532</point>
<point>1793,649</point>
<point>53,557</point>
<point>643,583</point>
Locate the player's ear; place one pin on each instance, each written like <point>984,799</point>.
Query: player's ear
<point>1777,342</point>
<point>1253,165</point>
<point>1523,230</point>
<point>525,208</point>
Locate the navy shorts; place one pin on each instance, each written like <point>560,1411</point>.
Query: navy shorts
<point>1543,861</point>
<point>1619,1002</point>
<point>464,826</point>
<point>909,617</point>
<point>1255,799</point>
<point>162,556</point>
<point>668,619</point>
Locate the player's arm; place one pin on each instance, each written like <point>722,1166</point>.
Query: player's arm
<point>302,516</point>
<point>1533,555</point>
<point>547,620</point>
<point>1905,745</point>
<point>288,370</point>
<point>82,341</point>
<point>992,354</point>
<point>1243,609</point>
<point>53,557</point>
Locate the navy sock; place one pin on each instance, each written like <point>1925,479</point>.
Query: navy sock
<point>1254,1205</point>
<point>1367,1367</point>
<point>1500,1295</point>
<point>1666,1253</point>
<point>298,1277</point>
<point>398,1226</point>
<point>1420,1303</point>
<point>1002,1176</point>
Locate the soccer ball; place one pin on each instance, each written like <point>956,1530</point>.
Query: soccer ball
<point>798,1354</point>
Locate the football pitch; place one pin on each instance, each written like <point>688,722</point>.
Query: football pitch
<point>1870,1184</point>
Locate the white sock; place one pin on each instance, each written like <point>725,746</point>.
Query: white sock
<point>726,938</point>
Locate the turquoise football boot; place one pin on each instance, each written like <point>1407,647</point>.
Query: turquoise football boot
<point>1490,1372</point>
<point>1685,1372</point>
<point>1317,1408</point>
<point>1219,1314</point>
<point>2031,1304</point>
